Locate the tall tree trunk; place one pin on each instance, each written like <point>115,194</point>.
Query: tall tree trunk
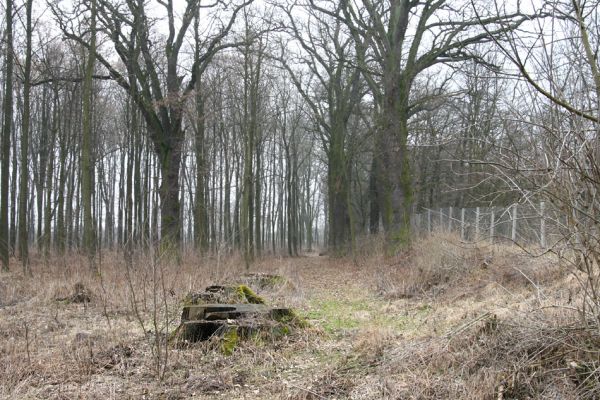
<point>49,178</point>
<point>338,194</point>
<point>201,222</point>
<point>24,179</point>
<point>258,204</point>
<point>42,165</point>
<point>71,195</point>
<point>13,193</point>
<point>373,198</point>
<point>228,171</point>
<point>169,155</point>
<point>247,232</point>
<point>128,203</point>
<point>87,166</point>
<point>6,132</point>
<point>200,214</point>
<point>393,173</point>
<point>138,202</point>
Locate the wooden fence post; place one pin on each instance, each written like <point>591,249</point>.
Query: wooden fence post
<point>542,225</point>
<point>492,221</point>
<point>428,220</point>
<point>513,235</point>
<point>462,224</point>
<point>477,223</point>
<point>450,219</point>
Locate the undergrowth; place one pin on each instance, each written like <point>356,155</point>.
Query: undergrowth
<point>443,320</point>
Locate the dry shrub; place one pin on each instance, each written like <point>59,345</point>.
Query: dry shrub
<point>15,288</point>
<point>440,263</point>
<point>538,355</point>
<point>91,344</point>
<point>426,266</point>
<point>334,383</point>
<point>371,345</point>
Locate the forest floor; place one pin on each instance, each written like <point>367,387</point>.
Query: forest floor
<point>445,320</point>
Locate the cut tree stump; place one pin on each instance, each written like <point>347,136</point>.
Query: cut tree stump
<point>203,321</point>
<point>213,312</point>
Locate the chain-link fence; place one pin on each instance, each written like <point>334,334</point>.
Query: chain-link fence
<point>525,224</point>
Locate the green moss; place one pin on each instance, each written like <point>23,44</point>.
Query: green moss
<point>280,330</point>
<point>245,293</point>
<point>290,318</point>
<point>225,295</point>
<point>229,341</point>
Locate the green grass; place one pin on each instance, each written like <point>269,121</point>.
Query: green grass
<point>338,315</point>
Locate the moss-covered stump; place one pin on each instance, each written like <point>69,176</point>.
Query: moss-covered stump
<point>196,331</point>
<point>232,313</point>
<point>215,312</point>
<point>233,322</point>
<point>224,294</point>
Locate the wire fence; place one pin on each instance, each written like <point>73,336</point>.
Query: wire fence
<point>521,224</point>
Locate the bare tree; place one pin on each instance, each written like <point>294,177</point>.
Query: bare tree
<point>129,28</point>
<point>6,135</point>
<point>87,162</point>
<point>558,160</point>
<point>396,41</point>
<point>24,178</point>
<point>332,89</point>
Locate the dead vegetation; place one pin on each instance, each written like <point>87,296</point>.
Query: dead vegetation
<point>442,264</point>
<point>446,320</point>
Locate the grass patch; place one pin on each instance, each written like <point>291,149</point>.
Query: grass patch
<point>339,315</point>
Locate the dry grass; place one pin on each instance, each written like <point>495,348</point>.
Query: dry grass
<point>443,265</point>
<point>445,320</point>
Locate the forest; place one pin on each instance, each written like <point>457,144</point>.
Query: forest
<point>418,176</point>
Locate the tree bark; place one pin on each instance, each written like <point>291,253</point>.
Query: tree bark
<point>6,133</point>
<point>338,194</point>
<point>394,181</point>
<point>87,162</point>
<point>24,178</point>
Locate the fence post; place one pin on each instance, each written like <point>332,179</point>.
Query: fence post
<point>450,219</point>
<point>513,235</point>
<point>477,224</point>
<point>428,220</point>
<point>462,224</point>
<point>492,226</point>
<point>441,219</point>
<point>542,225</point>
